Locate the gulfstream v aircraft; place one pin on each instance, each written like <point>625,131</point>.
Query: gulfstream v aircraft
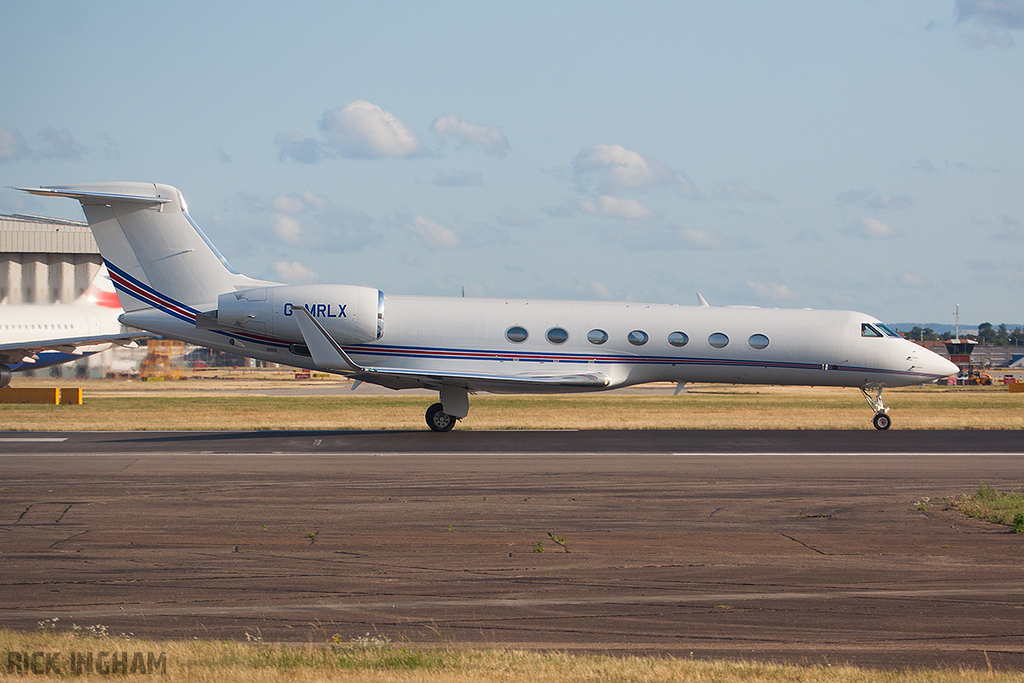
<point>35,336</point>
<point>172,281</point>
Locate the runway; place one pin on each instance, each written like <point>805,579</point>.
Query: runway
<point>785,546</point>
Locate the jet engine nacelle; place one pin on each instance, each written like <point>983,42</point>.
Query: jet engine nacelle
<point>351,314</point>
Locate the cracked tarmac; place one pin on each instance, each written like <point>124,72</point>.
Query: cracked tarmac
<point>783,546</point>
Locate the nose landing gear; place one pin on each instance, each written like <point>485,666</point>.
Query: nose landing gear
<point>881,420</point>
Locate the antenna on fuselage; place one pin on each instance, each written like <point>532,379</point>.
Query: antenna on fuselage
<point>701,301</point>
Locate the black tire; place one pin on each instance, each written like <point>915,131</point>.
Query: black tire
<point>438,420</point>
<point>882,421</point>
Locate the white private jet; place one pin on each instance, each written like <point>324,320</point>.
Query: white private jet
<point>35,336</point>
<point>172,281</point>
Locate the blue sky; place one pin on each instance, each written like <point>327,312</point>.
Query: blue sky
<point>864,155</point>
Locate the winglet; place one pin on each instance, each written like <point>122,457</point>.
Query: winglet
<point>326,352</point>
<point>701,301</point>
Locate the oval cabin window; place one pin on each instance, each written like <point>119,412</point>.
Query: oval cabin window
<point>637,337</point>
<point>557,335</point>
<point>516,334</point>
<point>758,341</point>
<point>678,339</point>
<point>718,340</point>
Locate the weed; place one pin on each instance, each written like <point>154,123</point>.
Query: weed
<point>312,537</point>
<point>98,631</point>
<point>923,504</point>
<point>538,547</point>
<point>992,505</point>
<point>560,540</point>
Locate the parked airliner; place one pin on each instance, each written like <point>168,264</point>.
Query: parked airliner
<point>172,281</point>
<point>35,336</point>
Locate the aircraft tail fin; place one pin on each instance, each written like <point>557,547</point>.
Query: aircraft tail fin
<point>100,292</point>
<point>155,253</point>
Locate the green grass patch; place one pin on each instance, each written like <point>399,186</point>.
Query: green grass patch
<point>998,507</point>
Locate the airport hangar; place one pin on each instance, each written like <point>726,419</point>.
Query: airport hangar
<point>45,260</point>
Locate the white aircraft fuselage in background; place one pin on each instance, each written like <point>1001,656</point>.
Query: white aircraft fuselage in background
<point>36,336</point>
<point>173,282</point>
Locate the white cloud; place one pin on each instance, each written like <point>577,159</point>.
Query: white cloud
<point>614,207</point>
<point>979,41</point>
<point>771,291</point>
<point>1005,14</point>
<point>362,130</point>
<point>871,228</point>
<point>288,204</point>
<point>298,148</point>
<point>738,189</point>
<point>60,145</point>
<point>458,179</point>
<point>287,229</point>
<point>617,169</point>
<point>324,226</point>
<point>12,145</point>
<point>295,273</point>
<point>599,290</point>
<point>869,198</point>
<point>701,239</point>
<point>514,218</point>
<point>999,17</point>
<point>488,138</point>
<point>912,279</point>
<point>433,235</point>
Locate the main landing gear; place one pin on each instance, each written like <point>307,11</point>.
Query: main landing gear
<point>454,405</point>
<point>438,420</point>
<point>881,420</point>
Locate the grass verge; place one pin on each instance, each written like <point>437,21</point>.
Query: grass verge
<point>377,659</point>
<point>999,507</point>
<point>703,407</point>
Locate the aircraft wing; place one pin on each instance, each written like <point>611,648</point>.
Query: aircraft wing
<point>16,352</point>
<point>329,355</point>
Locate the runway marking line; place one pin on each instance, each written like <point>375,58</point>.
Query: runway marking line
<point>33,439</point>
<point>414,604</point>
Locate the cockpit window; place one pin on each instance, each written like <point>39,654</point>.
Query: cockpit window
<point>887,330</point>
<point>869,330</point>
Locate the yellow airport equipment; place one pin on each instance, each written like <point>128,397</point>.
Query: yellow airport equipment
<point>53,396</point>
<point>164,359</point>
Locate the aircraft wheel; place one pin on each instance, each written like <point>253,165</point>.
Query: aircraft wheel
<point>438,420</point>
<point>882,421</point>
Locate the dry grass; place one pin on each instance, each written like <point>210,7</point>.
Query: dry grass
<point>378,660</point>
<point>112,405</point>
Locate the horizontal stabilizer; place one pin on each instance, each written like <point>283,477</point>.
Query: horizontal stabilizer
<point>94,196</point>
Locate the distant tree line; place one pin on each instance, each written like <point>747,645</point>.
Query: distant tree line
<point>988,335</point>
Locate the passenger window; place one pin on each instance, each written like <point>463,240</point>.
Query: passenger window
<point>867,330</point>
<point>637,337</point>
<point>758,341</point>
<point>556,335</point>
<point>718,340</point>
<point>678,338</point>
<point>597,336</point>
<point>516,334</point>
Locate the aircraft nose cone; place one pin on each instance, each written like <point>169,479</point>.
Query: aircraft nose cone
<point>939,366</point>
